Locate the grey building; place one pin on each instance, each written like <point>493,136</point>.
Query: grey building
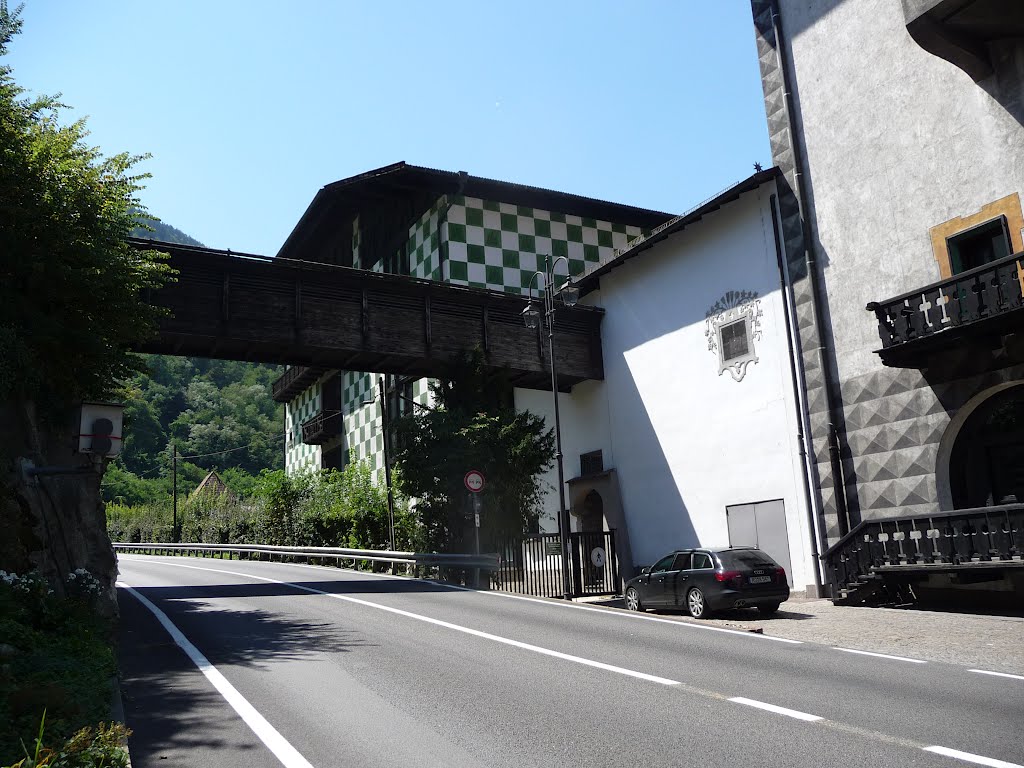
<point>898,126</point>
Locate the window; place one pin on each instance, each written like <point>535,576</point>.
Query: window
<point>682,562</point>
<point>663,565</point>
<point>734,340</point>
<point>702,560</point>
<point>978,245</point>
<point>591,463</point>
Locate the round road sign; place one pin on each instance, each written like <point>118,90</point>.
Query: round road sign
<point>597,557</point>
<point>474,480</point>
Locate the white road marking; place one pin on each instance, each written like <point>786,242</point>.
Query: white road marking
<point>563,604</point>
<point>276,743</point>
<point>997,674</point>
<point>447,625</point>
<point>967,757</point>
<point>880,655</point>
<point>777,710</point>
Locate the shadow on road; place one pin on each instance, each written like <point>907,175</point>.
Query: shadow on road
<point>171,709</point>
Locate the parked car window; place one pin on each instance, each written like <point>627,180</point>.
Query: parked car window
<point>702,560</point>
<point>745,558</point>
<point>664,564</point>
<point>682,562</point>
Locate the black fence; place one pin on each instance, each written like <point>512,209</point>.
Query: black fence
<point>532,565</point>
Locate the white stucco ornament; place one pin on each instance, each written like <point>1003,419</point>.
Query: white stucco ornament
<point>732,326</point>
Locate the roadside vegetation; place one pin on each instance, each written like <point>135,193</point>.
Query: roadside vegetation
<point>56,672</point>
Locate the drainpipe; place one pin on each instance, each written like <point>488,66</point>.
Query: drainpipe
<point>796,374</point>
<point>818,295</point>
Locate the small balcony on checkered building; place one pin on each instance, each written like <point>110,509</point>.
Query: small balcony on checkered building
<point>322,427</point>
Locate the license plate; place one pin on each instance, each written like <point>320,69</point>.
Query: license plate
<point>759,579</point>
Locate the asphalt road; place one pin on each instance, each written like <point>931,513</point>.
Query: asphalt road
<point>302,665</point>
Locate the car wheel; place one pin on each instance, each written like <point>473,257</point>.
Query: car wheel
<point>768,609</point>
<point>633,600</point>
<point>696,604</point>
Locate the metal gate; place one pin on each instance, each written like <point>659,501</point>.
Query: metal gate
<point>532,565</point>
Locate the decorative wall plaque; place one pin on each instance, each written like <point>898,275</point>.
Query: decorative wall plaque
<point>732,326</point>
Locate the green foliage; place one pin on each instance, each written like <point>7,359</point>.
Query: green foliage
<point>88,748</point>
<point>71,288</point>
<point>475,426</point>
<point>57,660</point>
<point>329,509</point>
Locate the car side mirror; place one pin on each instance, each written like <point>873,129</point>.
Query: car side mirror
<point>645,570</point>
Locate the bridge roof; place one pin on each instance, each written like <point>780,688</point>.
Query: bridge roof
<point>343,199</point>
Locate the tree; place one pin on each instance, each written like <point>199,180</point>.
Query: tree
<point>474,426</point>
<point>71,287</point>
<point>71,308</point>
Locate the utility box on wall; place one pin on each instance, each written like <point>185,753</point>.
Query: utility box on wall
<point>99,428</point>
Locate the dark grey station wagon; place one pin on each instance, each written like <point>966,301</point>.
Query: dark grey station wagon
<point>706,580</point>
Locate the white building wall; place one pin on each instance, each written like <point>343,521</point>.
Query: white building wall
<point>685,441</point>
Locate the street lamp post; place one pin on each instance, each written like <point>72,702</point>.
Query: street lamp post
<point>386,423</point>
<point>569,293</point>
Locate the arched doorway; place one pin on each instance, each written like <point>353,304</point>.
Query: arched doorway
<point>986,463</point>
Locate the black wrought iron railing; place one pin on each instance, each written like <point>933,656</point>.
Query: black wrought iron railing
<point>983,537</point>
<point>322,427</point>
<point>988,291</point>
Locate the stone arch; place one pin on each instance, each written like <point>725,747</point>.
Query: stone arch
<point>944,476</point>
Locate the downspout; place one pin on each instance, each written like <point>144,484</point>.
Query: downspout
<point>796,374</point>
<point>817,296</point>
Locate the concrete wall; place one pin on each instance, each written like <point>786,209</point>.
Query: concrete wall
<point>897,141</point>
<point>685,440</point>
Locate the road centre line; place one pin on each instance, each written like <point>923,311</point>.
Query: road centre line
<point>968,757</point>
<point>776,709</point>
<point>677,685</point>
<point>265,732</point>
<point>563,604</point>
<point>879,655</point>
<point>997,674</point>
<point>448,625</point>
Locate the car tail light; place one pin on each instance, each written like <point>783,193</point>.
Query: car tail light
<point>780,574</point>
<point>735,578</point>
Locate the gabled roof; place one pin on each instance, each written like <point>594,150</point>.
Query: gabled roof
<point>211,484</point>
<point>588,280</point>
<point>344,198</point>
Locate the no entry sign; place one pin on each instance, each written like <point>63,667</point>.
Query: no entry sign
<point>474,480</point>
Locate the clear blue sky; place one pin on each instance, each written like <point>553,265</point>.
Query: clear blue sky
<point>248,108</point>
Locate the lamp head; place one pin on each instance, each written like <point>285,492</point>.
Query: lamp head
<point>531,317</point>
<point>570,293</point>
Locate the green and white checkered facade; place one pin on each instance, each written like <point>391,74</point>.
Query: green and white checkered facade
<point>500,246</point>
<point>464,241</point>
<point>299,457</point>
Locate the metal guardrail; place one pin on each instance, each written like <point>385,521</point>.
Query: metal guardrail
<point>485,562</point>
<point>983,537</point>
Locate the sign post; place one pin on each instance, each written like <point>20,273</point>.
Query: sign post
<point>474,482</point>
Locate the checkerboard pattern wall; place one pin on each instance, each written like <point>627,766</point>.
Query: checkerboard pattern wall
<point>299,457</point>
<point>487,245</point>
<point>500,246</point>
<point>424,245</point>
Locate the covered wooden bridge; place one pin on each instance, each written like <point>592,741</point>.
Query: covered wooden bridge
<point>319,316</point>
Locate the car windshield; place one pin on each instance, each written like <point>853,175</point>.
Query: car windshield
<point>745,558</point>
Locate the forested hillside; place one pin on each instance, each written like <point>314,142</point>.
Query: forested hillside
<point>218,413</point>
<point>165,233</point>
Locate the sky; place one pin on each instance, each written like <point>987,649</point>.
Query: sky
<point>248,108</point>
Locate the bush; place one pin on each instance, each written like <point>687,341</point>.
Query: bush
<point>102,748</point>
<point>55,657</point>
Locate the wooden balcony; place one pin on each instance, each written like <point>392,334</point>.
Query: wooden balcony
<point>273,310</point>
<point>294,382</point>
<point>322,427</point>
<point>981,304</point>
